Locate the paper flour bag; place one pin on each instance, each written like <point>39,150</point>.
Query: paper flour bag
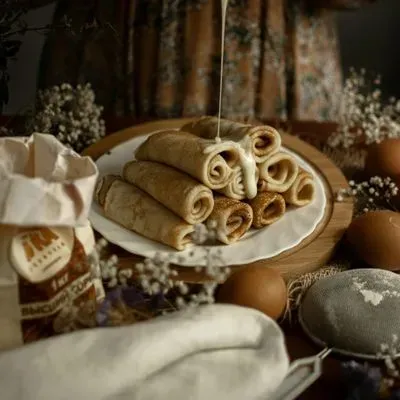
<point>46,192</point>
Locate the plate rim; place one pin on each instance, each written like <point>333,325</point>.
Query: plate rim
<point>97,218</point>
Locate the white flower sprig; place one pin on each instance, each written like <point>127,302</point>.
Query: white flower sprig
<point>70,114</point>
<point>376,193</point>
<point>362,113</point>
<point>156,276</point>
<point>107,267</point>
<point>213,268</point>
<point>213,260</point>
<point>389,354</point>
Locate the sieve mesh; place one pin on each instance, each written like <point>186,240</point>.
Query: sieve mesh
<point>354,312</point>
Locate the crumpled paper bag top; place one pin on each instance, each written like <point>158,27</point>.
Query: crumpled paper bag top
<point>42,182</point>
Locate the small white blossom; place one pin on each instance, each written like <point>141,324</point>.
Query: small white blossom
<point>157,276</point>
<point>180,302</point>
<point>112,283</point>
<point>183,288</point>
<point>156,287</point>
<point>108,267</point>
<point>362,114</point>
<point>389,354</point>
<point>376,193</point>
<point>145,283</point>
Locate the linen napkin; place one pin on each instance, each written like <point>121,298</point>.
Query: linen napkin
<point>212,352</point>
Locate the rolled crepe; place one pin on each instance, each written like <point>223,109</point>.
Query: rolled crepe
<point>102,187</point>
<point>302,192</point>
<point>267,208</point>
<point>209,162</point>
<point>236,189</point>
<point>265,140</point>
<point>278,173</point>
<point>135,210</point>
<point>176,190</point>
<point>231,218</point>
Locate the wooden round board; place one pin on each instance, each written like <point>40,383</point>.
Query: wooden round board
<point>312,253</point>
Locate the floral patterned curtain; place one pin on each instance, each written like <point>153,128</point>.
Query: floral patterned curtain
<point>160,58</point>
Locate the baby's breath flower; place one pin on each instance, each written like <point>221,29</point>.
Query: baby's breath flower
<point>376,193</point>
<point>389,354</point>
<point>363,115</point>
<point>70,114</point>
<point>200,234</point>
<point>180,302</point>
<point>107,267</point>
<point>157,276</point>
<point>183,288</point>
<point>124,276</point>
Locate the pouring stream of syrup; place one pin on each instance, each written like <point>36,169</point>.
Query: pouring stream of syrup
<point>224,6</point>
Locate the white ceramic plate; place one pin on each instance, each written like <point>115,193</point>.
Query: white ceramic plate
<point>288,232</point>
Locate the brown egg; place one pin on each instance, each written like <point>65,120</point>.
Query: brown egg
<point>375,238</point>
<point>383,159</point>
<point>261,288</point>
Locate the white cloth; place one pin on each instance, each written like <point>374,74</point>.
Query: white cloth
<point>214,352</point>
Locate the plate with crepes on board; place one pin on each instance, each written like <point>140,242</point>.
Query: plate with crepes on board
<point>153,189</point>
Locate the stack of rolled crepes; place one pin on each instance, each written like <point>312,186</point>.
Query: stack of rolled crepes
<point>182,178</point>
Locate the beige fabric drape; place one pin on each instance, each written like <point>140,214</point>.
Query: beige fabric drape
<point>160,58</point>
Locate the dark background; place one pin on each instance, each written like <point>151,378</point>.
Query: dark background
<point>369,39</point>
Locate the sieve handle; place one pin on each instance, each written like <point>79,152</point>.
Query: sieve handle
<point>302,374</point>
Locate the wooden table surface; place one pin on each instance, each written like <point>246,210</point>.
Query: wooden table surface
<point>329,386</point>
